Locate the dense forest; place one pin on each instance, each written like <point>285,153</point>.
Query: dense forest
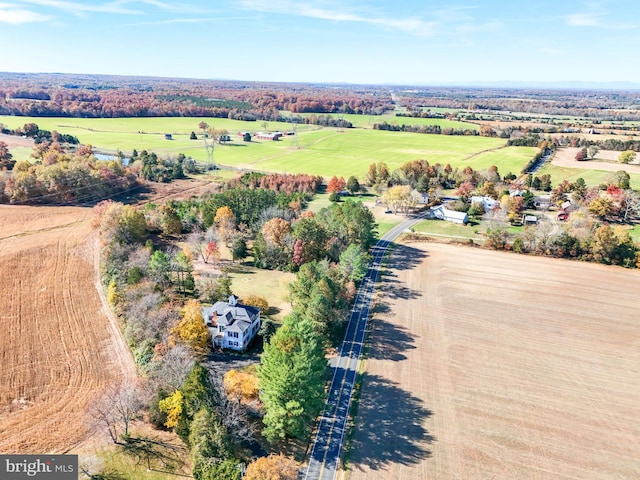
<point>110,96</point>
<point>70,95</point>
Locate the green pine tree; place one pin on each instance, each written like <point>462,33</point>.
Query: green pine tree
<point>292,375</point>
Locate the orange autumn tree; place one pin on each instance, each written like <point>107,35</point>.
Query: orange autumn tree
<point>241,385</point>
<point>273,467</point>
<point>336,184</point>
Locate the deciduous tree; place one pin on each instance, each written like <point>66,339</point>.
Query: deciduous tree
<point>257,301</point>
<point>627,156</point>
<point>225,221</point>
<point>354,263</point>
<point>242,385</point>
<point>6,158</point>
<point>273,467</point>
<point>191,328</point>
<point>353,185</point>
<point>336,185</point>
<point>276,230</point>
<point>116,409</point>
<point>173,406</point>
<point>601,207</point>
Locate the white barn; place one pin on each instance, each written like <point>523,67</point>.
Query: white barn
<point>443,213</point>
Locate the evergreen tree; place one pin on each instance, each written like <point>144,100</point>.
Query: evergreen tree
<point>209,443</point>
<point>292,379</point>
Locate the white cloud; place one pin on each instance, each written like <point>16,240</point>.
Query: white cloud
<point>583,20</point>
<point>16,16</point>
<point>185,20</point>
<point>414,26</point>
<point>75,8</point>
<point>480,27</point>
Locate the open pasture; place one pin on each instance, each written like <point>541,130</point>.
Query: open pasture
<point>592,177</point>
<point>487,364</point>
<point>60,347</point>
<point>351,152</point>
<point>324,151</point>
<point>368,121</point>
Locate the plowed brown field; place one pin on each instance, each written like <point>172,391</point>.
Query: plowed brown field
<point>59,346</point>
<point>488,365</point>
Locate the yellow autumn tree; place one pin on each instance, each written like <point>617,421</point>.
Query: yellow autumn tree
<point>172,406</point>
<point>113,296</point>
<point>241,385</point>
<point>273,467</point>
<point>191,328</point>
<point>225,221</point>
<point>257,301</point>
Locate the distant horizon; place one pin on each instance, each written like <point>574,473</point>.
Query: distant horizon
<point>376,42</point>
<point>506,84</point>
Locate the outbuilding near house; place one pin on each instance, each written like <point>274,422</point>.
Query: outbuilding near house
<point>443,213</point>
<point>232,325</point>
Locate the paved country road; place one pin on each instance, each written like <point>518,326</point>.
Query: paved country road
<point>327,445</point>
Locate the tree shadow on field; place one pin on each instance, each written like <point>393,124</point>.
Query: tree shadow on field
<point>405,257</point>
<point>389,426</point>
<point>389,341</point>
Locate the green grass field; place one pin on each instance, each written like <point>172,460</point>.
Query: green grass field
<point>350,153</point>
<point>440,227</point>
<point>323,151</point>
<point>21,153</point>
<point>591,177</point>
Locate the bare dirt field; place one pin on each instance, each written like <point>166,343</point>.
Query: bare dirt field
<point>59,347</point>
<point>605,160</point>
<point>490,365</point>
<point>13,141</point>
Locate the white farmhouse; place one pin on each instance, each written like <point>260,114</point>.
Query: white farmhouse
<point>231,324</point>
<point>487,202</point>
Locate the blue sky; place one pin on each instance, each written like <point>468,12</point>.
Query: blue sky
<point>354,41</point>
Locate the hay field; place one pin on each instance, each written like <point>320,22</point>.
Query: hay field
<point>489,365</point>
<point>59,347</point>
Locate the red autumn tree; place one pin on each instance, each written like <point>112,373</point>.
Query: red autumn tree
<point>336,184</point>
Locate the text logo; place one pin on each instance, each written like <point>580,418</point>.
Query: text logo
<point>45,467</point>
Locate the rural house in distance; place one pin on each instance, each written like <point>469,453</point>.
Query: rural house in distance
<point>231,324</point>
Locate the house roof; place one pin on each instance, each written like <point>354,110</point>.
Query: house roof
<point>232,315</point>
<point>454,214</point>
<point>444,213</point>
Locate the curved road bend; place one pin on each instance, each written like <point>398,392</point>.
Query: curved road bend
<point>327,445</point>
